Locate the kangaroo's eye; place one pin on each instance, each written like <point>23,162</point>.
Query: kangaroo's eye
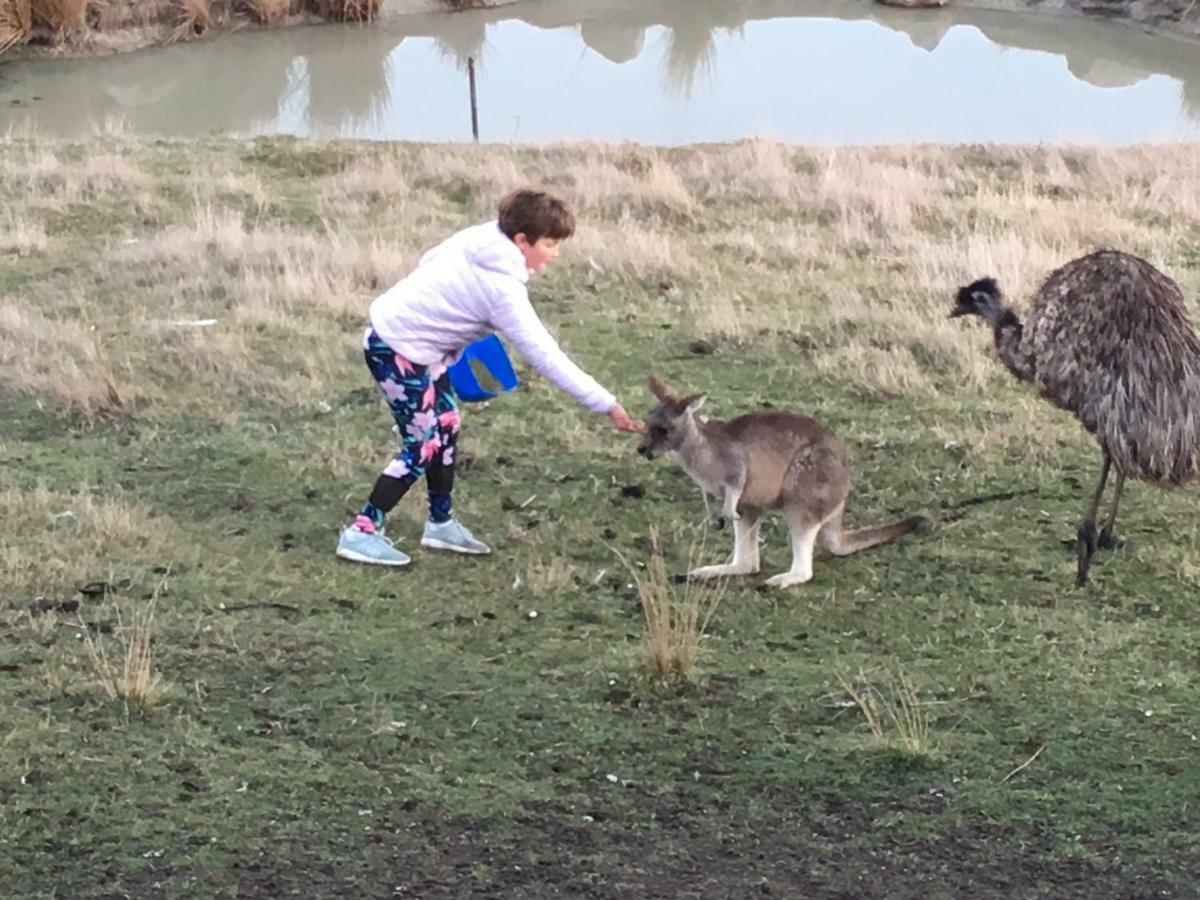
<point>657,430</point>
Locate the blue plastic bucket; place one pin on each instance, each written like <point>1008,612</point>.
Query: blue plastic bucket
<point>482,362</point>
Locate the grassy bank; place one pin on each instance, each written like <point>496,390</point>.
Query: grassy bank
<point>85,27</point>
<point>292,726</point>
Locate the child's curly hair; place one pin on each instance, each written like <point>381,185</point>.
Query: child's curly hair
<point>536,215</point>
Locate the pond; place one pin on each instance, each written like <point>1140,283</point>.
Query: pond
<point>823,72</point>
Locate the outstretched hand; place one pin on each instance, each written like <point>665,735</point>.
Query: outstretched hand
<point>621,419</point>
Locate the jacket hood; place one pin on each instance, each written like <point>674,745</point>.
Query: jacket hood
<point>487,247</point>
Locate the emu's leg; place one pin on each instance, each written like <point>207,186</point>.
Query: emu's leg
<point>1108,540</point>
<point>1086,538</point>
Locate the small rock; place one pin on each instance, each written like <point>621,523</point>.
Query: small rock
<point>701,348</point>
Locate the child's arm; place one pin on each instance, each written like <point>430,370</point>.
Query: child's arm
<point>514,318</point>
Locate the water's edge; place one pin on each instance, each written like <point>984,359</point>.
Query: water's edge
<point>1173,18</point>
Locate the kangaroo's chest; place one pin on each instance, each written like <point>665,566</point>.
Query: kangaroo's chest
<point>708,477</point>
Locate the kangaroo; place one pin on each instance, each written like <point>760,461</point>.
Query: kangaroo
<point>764,462</point>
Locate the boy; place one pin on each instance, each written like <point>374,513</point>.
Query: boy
<point>468,286</point>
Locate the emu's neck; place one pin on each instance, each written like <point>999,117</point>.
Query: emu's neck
<point>1008,333</point>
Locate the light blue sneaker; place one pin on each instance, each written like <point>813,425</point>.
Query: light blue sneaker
<point>454,536</point>
<point>373,549</point>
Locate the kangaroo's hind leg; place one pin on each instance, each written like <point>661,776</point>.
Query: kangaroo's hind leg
<point>745,549</point>
<point>829,537</point>
<point>804,530</point>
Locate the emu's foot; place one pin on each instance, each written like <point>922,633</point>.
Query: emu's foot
<point>1085,548</point>
<point>1110,541</point>
<point>1106,540</point>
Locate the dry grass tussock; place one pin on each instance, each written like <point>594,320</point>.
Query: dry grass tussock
<point>194,17</point>
<point>619,182</point>
<point>21,236</point>
<point>753,170</point>
<point>60,15</point>
<point>853,254</point>
<point>267,12</point>
<point>62,360</point>
<point>547,576</point>
<point>71,537</point>
<point>127,672</point>
<point>676,617</point>
<point>632,250</point>
<point>348,10</point>
<point>893,710</point>
<point>16,22</point>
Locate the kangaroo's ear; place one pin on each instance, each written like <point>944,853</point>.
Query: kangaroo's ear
<point>660,390</point>
<point>694,402</point>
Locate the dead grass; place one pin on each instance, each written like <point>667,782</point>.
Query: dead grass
<point>70,536</point>
<point>845,258</point>
<point>62,360</point>
<point>60,15</point>
<point>267,12</point>
<point>16,22</point>
<point>348,10</point>
<point>676,617</point>
<point>546,577</point>
<point>894,712</point>
<point>21,236</point>
<point>131,676</point>
<point>753,170</point>
<point>193,17</point>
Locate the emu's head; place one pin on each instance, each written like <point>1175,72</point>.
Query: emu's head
<point>669,423</point>
<point>979,298</point>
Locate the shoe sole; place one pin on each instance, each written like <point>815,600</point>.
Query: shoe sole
<point>370,561</point>
<point>435,544</point>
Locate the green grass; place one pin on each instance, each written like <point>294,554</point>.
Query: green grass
<point>330,730</point>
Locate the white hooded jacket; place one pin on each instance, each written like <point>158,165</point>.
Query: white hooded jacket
<point>467,287</point>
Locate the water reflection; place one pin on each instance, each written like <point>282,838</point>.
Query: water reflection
<point>348,80</point>
<point>616,40</point>
<point>464,39</point>
<point>657,70</point>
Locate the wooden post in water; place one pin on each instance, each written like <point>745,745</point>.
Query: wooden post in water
<point>474,109</point>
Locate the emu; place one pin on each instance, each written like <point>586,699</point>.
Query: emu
<point>1108,339</point>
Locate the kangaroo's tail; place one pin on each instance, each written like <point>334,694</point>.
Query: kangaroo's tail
<point>842,542</point>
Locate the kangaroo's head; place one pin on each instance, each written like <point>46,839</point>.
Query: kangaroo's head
<point>668,424</point>
<point>979,298</point>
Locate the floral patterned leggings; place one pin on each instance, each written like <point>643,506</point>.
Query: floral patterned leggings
<point>426,414</point>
